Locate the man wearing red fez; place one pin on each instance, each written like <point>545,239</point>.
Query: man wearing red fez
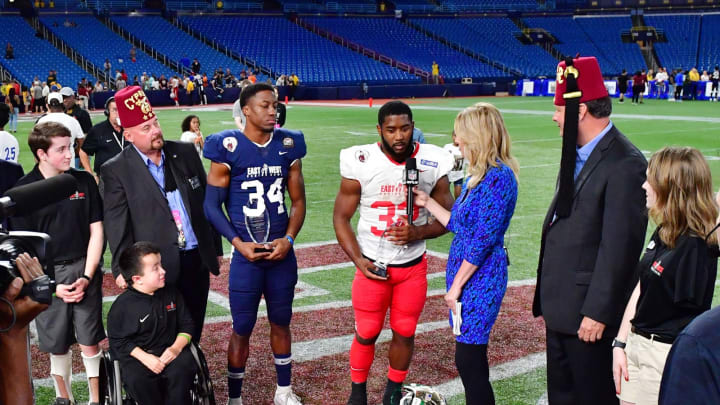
<point>592,238</point>
<point>154,192</point>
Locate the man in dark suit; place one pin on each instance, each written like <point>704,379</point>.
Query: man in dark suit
<point>154,192</point>
<point>592,238</point>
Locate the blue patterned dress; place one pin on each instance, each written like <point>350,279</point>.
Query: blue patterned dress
<point>479,219</point>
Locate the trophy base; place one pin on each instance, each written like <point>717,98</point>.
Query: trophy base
<point>380,270</point>
<point>266,249</point>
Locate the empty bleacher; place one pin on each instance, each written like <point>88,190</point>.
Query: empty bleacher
<point>285,48</point>
<point>92,39</point>
<point>399,41</point>
<point>605,33</point>
<point>416,6</point>
<point>682,32</point>
<point>488,5</point>
<point>35,56</point>
<point>709,48</point>
<point>155,31</point>
<point>493,37</point>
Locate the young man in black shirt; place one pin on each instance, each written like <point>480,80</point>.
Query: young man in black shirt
<point>76,232</point>
<point>149,328</point>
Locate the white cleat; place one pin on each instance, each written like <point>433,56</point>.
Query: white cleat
<point>285,396</point>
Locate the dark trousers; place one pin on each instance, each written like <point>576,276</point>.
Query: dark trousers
<point>637,90</point>
<point>194,283</point>
<point>170,387</point>
<point>579,372</point>
<point>472,364</point>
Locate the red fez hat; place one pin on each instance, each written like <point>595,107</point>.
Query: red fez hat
<point>589,80</point>
<point>133,107</point>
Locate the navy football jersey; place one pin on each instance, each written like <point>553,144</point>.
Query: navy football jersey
<point>258,176</point>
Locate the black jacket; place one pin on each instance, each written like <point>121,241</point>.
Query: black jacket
<point>136,210</point>
<point>588,259</point>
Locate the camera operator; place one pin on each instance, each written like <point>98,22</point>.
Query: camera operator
<point>15,385</point>
<point>75,228</point>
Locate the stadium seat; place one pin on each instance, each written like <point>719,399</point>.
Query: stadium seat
<point>94,40</point>
<point>392,38</point>
<point>35,56</point>
<point>154,30</point>
<point>285,48</point>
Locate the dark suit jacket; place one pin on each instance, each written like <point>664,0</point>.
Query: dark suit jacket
<point>10,173</point>
<point>136,210</point>
<point>588,260</point>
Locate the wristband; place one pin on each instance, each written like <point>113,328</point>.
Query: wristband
<point>290,238</point>
<point>186,336</point>
<point>86,277</point>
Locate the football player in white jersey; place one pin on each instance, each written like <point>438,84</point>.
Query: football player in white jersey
<point>372,178</point>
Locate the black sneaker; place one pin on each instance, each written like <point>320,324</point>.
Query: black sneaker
<point>358,396</point>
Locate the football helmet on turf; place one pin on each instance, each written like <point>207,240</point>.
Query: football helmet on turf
<point>414,394</point>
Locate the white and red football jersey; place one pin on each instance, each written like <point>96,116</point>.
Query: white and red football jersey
<point>383,199</point>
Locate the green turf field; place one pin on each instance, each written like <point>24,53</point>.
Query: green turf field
<point>536,144</point>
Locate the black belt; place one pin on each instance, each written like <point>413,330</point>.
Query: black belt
<point>653,336</point>
<point>66,262</point>
<point>407,264</point>
<point>189,251</point>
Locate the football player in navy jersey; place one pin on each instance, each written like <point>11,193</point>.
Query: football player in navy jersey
<point>249,174</point>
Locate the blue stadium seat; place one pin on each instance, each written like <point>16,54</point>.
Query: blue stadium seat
<point>285,48</point>
<point>92,39</point>
<point>392,38</point>
<point>486,5</point>
<point>709,50</point>
<point>155,30</point>
<point>682,33</point>
<point>493,37</point>
<point>35,56</point>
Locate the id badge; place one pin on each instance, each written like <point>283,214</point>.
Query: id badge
<point>182,242</point>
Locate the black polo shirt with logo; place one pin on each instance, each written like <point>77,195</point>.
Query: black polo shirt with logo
<point>68,221</point>
<point>104,143</point>
<point>676,285</point>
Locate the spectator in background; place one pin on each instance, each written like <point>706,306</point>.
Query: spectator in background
<point>694,77</point>
<point>294,83</point>
<point>195,67</point>
<point>660,80</point>
<point>280,81</point>
<point>435,72</point>
<point>57,114</point>
<point>133,54</point>
<point>191,133</point>
<point>9,146</point>
<point>677,272</point>
<point>13,101</point>
<point>107,68</point>
<point>704,77</point>
<point>99,86</point>
<point>238,115</point>
<point>104,141</point>
<point>623,84</point>
<point>9,51</point>
<point>82,93</point>
<point>120,84</point>
<point>51,78</point>
<point>645,84</point>
<point>38,101</point>
<point>638,87</point>
<point>252,77</point>
<point>679,83</point>
<point>163,82</point>
<point>715,78</point>
<point>26,99</point>
<point>45,93</point>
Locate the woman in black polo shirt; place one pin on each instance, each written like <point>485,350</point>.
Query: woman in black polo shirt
<point>677,272</point>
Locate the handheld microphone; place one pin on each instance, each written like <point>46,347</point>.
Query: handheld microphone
<point>23,200</point>
<point>412,177</point>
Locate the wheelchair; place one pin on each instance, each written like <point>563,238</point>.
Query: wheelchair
<point>111,386</point>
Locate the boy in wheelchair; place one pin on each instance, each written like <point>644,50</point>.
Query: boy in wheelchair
<point>149,328</point>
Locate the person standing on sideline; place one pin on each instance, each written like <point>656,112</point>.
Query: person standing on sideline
<point>154,192</point>
<point>9,145</point>
<point>249,174</point>
<point>623,85</point>
<point>477,265</point>
<point>191,133</point>
<point>104,141</point>
<point>592,237</point>
<point>435,72</point>
<point>677,272</point>
<point>372,177</point>
<point>76,228</point>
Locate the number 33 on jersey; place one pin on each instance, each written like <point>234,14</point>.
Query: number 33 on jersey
<point>383,199</point>
<point>258,175</point>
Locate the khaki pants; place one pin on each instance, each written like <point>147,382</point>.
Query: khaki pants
<point>645,362</point>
